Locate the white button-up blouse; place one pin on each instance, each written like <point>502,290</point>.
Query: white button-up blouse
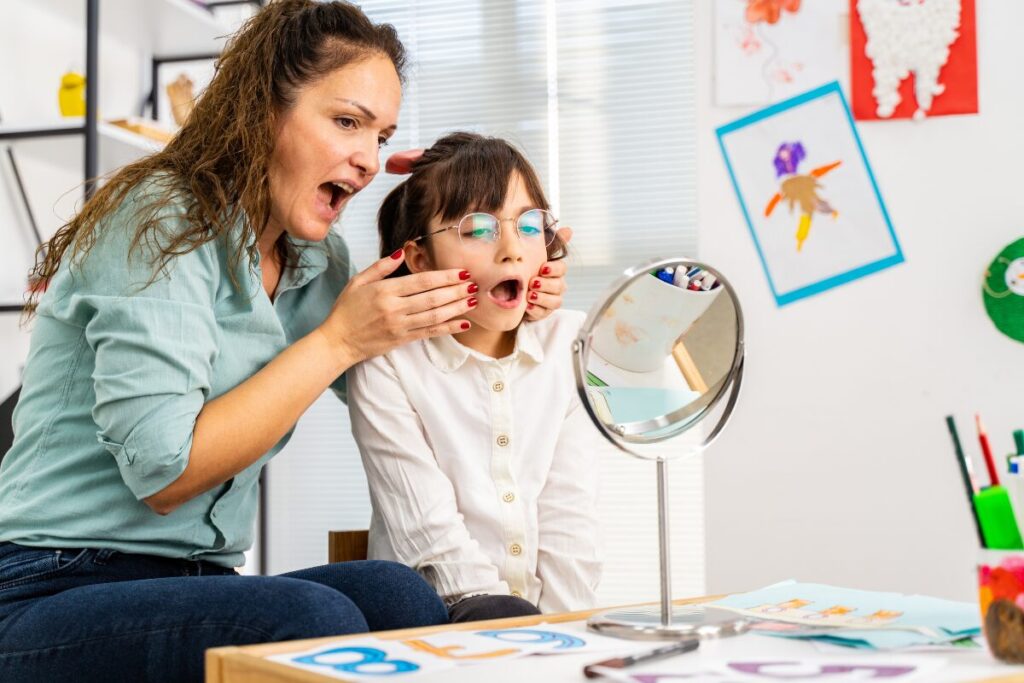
<point>482,471</point>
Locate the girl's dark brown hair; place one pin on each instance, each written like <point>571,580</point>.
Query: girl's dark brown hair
<point>218,162</point>
<point>461,173</point>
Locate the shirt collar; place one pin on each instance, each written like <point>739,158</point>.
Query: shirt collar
<point>312,260</point>
<point>448,355</point>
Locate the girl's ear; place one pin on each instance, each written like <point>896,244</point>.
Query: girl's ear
<point>417,260</point>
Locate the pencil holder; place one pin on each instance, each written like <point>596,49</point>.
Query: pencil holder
<point>1001,598</point>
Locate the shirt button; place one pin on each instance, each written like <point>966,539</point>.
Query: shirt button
<point>498,386</point>
<point>516,594</point>
<point>502,440</point>
<point>515,549</point>
<point>508,497</point>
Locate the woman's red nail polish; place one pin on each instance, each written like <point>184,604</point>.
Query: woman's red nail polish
<point>529,306</point>
<point>473,288</point>
<point>464,275</point>
<point>533,296</point>
<point>464,325</point>
<point>397,255</point>
<point>545,270</point>
<point>472,301</point>
<point>536,284</point>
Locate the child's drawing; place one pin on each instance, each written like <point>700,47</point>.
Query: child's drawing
<point>800,189</point>
<point>767,50</point>
<point>805,153</point>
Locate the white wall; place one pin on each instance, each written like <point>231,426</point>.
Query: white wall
<point>838,467</point>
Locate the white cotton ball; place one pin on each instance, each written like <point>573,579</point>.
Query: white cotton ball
<point>904,39</point>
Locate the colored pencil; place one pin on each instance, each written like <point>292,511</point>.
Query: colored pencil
<point>965,472</point>
<point>986,450</point>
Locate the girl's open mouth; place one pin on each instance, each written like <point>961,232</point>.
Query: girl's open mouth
<point>506,293</point>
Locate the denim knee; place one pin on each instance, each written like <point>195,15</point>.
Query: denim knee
<point>304,609</point>
<point>407,594</point>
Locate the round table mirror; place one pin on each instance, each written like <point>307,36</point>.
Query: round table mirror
<point>660,356</point>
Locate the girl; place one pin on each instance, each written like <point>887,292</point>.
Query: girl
<point>479,457</point>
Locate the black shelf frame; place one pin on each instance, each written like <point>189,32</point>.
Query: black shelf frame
<point>90,129</point>
<point>42,132</point>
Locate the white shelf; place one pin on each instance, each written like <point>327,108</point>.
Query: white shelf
<point>163,28</point>
<point>117,146</point>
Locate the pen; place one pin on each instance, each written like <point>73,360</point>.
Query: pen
<point>965,472</point>
<point>682,647</point>
<point>986,450</point>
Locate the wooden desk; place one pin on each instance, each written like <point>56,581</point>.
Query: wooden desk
<point>246,664</point>
<point>237,664</point>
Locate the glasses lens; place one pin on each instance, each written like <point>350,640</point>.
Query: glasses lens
<point>537,224</point>
<point>479,228</point>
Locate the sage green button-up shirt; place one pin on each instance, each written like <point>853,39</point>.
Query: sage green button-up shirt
<point>118,371</point>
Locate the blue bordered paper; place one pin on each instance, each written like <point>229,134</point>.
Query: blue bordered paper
<point>808,194</point>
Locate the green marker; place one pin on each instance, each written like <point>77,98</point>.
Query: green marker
<point>995,514</point>
<point>1018,440</point>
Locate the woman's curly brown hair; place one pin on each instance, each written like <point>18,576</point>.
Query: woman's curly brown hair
<point>218,162</point>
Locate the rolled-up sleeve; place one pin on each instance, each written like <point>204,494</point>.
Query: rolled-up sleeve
<point>153,337</point>
<point>152,373</point>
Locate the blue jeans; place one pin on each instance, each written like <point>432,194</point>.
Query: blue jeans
<point>100,615</point>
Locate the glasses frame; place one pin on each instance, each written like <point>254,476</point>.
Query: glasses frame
<point>500,220</point>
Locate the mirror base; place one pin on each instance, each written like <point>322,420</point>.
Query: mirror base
<point>688,621</point>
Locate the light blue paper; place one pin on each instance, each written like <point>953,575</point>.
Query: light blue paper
<point>638,404</point>
<point>935,620</point>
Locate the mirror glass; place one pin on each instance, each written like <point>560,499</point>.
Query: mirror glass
<point>661,351</point>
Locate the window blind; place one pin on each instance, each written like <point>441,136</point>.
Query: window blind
<point>600,94</point>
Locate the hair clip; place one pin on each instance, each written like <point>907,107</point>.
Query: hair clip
<point>401,163</point>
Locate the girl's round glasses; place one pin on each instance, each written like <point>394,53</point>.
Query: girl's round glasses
<point>533,225</point>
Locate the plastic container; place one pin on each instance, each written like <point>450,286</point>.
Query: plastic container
<point>1001,598</point>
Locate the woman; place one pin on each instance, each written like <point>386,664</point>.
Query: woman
<point>195,308</point>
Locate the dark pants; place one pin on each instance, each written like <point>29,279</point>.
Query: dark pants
<point>483,607</point>
<point>100,615</point>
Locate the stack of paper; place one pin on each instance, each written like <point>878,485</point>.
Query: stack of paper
<point>855,618</point>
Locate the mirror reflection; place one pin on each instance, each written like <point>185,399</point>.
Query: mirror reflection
<point>661,351</point>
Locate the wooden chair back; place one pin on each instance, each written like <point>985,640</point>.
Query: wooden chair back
<point>345,546</point>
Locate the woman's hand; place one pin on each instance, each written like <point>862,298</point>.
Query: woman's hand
<point>543,300</point>
<point>373,315</point>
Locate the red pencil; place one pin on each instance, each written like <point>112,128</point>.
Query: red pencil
<point>986,450</point>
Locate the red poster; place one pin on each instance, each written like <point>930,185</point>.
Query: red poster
<point>958,76</point>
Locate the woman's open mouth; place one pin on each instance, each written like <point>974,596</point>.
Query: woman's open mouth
<point>333,194</point>
<point>506,293</point>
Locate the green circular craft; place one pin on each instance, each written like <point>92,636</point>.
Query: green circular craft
<point>1003,290</point>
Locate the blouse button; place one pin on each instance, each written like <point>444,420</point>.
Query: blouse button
<point>508,497</point>
<point>498,386</point>
<point>515,549</point>
<point>502,440</point>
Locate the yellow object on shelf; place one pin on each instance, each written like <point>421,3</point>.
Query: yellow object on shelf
<point>71,96</point>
